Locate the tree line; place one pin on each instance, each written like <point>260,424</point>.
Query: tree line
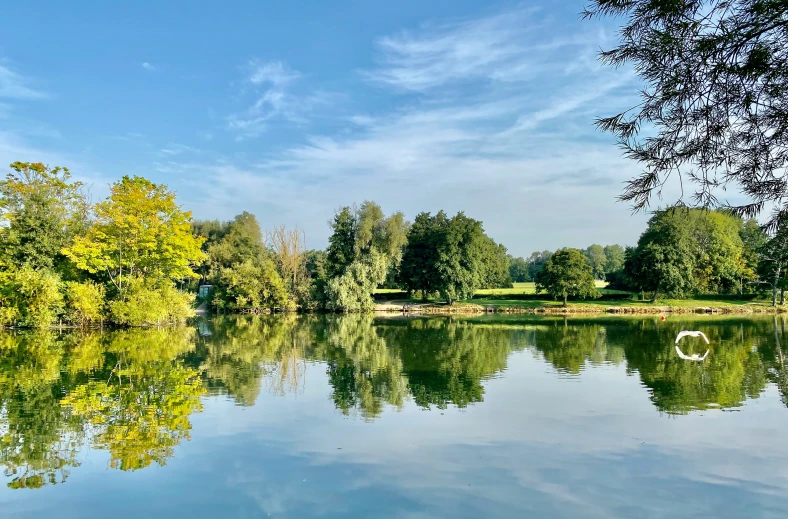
<point>137,258</point>
<point>367,249</point>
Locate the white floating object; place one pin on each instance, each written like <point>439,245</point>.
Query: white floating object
<point>695,357</point>
<point>686,333</point>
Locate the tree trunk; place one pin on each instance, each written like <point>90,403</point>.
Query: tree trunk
<point>656,294</point>
<point>782,295</point>
<point>774,286</point>
<point>565,297</point>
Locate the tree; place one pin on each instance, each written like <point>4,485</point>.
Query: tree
<point>597,260</point>
<point>238,241</point>
<point>714,105</point>
<point>352,291</point>
<point>567,274</point>
<point>251,287</point>
<point>139,232</point>
<point>84,302</point>
<point>753,240</point>
<point>29,297</point>
<point>518,270</point>
<point>773,263</point>
<point>369,224</point>
<point>685,251</point>
<point>536,262</point>
<point>445,255</point>
<point>419,255</point>
<point>495,265</point>
<point>342,243</point>
<point>290,252</point>
<point>614,258</point>
<point>42,209</point>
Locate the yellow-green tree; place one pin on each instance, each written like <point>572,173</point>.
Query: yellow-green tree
<point>41,209</point>
<point>139,231</point>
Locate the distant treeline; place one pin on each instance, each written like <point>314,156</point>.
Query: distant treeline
<point>137,258</point>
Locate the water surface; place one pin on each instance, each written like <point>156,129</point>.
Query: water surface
<point>357,416</point>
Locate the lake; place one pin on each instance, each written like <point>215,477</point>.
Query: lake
<point>362,416</point>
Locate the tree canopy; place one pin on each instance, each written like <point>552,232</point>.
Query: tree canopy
<point>567,274</point>
<point>713,111</point>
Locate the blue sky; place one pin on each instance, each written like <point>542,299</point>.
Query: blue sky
<point>292,109</point>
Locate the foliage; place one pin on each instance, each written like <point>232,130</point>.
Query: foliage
<point>368,221</point>
<point>684,251</point>
<point>41,209</point>
<point>773,259</point>
<point>495,265</point>
<point>359,230</point>
<point>139,232</point>
<point>251,287</point>
<point>714,105</point>
<point>450,256</point>
<point>84,302</point>
<point>29,297</point>
<point>342,243</point>
<point>518,270</point>
<point>597,260</point>
<point>290,253</point>
<point>536,262</point>
<point>614,258</point>
<point>147,304</point>
<point>567,274</point>
<point>352,291</point>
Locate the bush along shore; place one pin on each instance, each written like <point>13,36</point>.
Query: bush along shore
<point>138,258</point>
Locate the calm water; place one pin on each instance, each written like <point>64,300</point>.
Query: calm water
<point>364,417</point>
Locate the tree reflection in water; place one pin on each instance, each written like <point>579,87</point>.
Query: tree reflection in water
<point>131,393</point>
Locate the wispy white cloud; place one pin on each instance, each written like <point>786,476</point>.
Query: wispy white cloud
<point>505,108</point>
<point>148,66</point>
<point>14,86</point>
<point>173,149</point>
<point>511,46</point>
<point>271,86</point>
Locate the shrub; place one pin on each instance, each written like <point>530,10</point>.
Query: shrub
<point>352,291</point>
<point>251,287</point>
<point>30,297</point>
<point>84,302</point>
<point>143,304</point>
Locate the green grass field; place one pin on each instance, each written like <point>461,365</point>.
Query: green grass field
<point>530,288</point>
<point>496,299</point>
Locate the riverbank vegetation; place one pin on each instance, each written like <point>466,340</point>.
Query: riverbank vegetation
<point>138,259</point>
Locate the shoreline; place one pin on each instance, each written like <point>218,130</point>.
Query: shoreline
<point>573,309</point>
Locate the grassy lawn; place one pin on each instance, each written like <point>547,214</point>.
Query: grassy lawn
<point>682,303</point>
<point>530,288</point>
<point>497,298</point>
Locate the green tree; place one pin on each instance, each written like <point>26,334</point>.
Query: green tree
<point>518,270</point>
<point>41,210</point>
<point>369,220</point>
<point>597,260</point>
<point>685,251</point>
<point>84,302</point>
<point>417,271</point>
<point>567,274</point>
<point>536,262</point>
<point>753,240</point>
<point>29,297</point>
<point>251,287</point>
<point>139,232</point>
<point>352,291</point>
<point>495,265</point>
<point>342,243</point>
<point>614,258</point>
<point>447,255</point>
<point>773,260</point>
<point>714,108</point>
<point>145,303</point>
